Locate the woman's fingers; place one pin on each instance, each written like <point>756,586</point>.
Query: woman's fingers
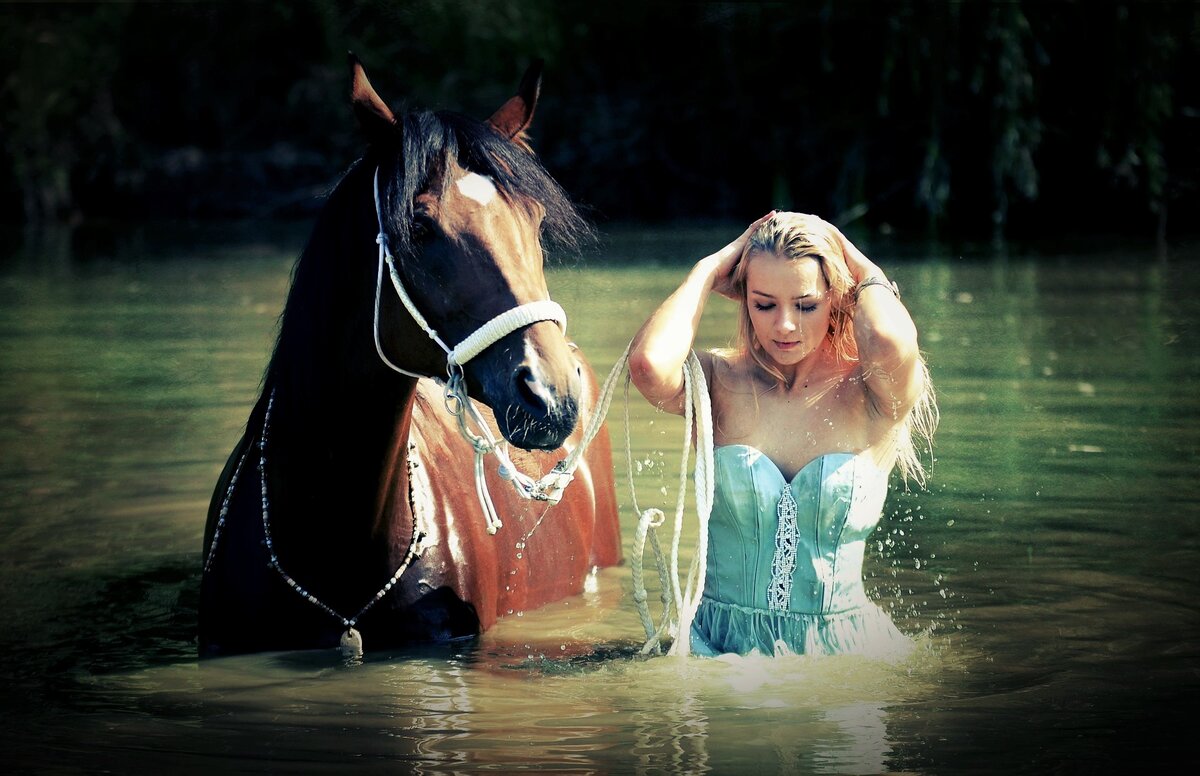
<point>734,249</point>
<point>729,256</point>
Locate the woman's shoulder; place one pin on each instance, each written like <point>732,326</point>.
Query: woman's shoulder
<point>722,362</point>
<point>732,372</point>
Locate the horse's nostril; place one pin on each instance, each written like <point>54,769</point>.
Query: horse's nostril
<point>533,393</point>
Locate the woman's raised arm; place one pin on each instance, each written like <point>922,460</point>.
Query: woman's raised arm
<point>661,346</point>
<point>886,337</point>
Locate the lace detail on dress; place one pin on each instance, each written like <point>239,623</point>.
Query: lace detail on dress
<point>783,564</point>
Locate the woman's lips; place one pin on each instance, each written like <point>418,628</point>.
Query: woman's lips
<point>786,345</point>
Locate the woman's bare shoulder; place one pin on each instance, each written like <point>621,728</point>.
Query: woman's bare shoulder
<point>731,372</point>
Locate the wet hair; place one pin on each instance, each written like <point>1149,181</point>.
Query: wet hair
<point>795,236</point>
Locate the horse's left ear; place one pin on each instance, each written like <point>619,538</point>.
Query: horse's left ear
<point>515,116</point>
<point>376,119</point>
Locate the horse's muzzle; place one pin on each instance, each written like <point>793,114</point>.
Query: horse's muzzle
<point>539,414</point>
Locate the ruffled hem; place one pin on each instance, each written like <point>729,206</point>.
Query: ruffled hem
<point>721,628</point>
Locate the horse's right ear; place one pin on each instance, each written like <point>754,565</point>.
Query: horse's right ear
<point>377,121</point>
<point>515,116</point>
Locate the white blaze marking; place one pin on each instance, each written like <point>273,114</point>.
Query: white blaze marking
<point>477,187</point>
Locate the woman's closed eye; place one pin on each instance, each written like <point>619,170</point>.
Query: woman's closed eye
<point>802,307</point>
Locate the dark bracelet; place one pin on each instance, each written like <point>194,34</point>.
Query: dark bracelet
<point>876,280</point>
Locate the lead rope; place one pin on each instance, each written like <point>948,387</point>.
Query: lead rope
<point>684,599</point>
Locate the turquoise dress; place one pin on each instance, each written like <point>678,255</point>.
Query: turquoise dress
<point>785,559</point>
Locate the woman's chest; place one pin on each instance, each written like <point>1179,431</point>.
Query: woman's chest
<point>792,430</point>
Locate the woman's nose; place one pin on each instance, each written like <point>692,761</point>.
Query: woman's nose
<point>786,323</point>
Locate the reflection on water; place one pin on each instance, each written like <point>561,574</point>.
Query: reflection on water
<point>1049,572</point>
<point>455,711</point>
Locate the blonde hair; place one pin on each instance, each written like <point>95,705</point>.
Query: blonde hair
<point>794,236</point>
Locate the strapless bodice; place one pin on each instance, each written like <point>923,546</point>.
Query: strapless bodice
<point>785,557</point>
<point>835,503</point>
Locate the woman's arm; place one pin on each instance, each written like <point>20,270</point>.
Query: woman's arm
<point>887,339</point>
<point>661,346</point>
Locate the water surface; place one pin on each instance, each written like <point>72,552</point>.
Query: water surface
<point>1049,570</point>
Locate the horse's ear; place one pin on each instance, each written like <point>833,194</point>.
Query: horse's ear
<point>377,121</point>
<point>515,116</point>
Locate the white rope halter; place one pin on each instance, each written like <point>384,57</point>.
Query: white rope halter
<point>549,487</point>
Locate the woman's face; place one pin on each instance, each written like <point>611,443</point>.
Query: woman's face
<point>789,305</point>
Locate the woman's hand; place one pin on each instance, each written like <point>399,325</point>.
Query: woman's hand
<point>726,259</point>
<point>857,262</point>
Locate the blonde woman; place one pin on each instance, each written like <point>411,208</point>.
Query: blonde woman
<point>825,394</point>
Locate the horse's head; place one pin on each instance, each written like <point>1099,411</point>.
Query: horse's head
<point>464,205</point>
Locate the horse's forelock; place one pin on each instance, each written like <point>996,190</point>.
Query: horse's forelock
<point>518,171</point>
<point>430,139</point>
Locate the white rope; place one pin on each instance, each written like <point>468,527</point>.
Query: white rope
<point>684,598</point>
<point>648,519</point>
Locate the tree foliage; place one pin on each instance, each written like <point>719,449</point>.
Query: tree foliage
<point>974,117</point>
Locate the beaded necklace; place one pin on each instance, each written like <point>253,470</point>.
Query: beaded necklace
<point>351,641</point>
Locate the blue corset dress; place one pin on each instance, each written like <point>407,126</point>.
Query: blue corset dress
<point>785,559</point>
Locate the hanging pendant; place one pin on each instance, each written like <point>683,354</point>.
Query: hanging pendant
<point>352,643</point>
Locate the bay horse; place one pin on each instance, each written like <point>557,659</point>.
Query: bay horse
<point>351,510</point>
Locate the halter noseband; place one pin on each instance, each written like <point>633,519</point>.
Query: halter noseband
<point>479,340</point>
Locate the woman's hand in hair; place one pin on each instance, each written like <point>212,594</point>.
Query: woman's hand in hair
<point>727,259</point>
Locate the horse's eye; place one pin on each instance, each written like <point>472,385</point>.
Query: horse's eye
<point>423,226</point>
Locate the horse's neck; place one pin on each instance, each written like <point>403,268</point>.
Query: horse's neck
<point>330,459</point>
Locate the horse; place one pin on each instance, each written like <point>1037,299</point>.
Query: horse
<point>352,510</point>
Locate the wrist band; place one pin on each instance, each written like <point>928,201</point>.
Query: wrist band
<point>876,280</point>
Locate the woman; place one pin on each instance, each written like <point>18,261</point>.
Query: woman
<point>820,400</point>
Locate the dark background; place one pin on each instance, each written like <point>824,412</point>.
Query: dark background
<point>982,120</point>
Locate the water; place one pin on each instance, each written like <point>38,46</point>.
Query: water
<point>1049,571</point>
